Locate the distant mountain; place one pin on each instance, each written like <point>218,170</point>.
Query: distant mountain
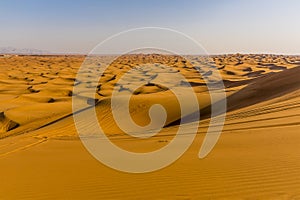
<point>26,51</point>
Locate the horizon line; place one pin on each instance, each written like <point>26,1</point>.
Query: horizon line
<point>117,54</point>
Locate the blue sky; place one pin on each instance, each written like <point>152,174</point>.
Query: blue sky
<point>257,26</point>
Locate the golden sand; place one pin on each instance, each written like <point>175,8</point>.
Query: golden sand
<point>256,157</point>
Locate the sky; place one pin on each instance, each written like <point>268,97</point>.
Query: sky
<point>77,26</point>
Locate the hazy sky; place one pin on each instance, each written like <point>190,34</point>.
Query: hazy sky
<point>246,26</point>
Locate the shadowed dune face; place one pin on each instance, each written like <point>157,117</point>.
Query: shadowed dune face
<point>267,87</point>
<point>263,89</point>
<point>6,124</point>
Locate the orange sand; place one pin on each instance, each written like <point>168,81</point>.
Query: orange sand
<point>256,157</point>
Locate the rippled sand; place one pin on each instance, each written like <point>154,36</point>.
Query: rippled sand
<point>257,155</point>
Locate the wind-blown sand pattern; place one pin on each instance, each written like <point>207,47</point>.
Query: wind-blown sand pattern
<point>256,157</point>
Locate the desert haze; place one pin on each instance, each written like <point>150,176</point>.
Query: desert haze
<point>256,157</point>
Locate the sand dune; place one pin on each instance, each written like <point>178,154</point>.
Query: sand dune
<point>257,156</point>
<point>267,87</point>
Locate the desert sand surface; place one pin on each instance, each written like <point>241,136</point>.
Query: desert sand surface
<point>256,157</point>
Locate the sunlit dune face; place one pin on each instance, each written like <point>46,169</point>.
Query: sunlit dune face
<point>31,86</point>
